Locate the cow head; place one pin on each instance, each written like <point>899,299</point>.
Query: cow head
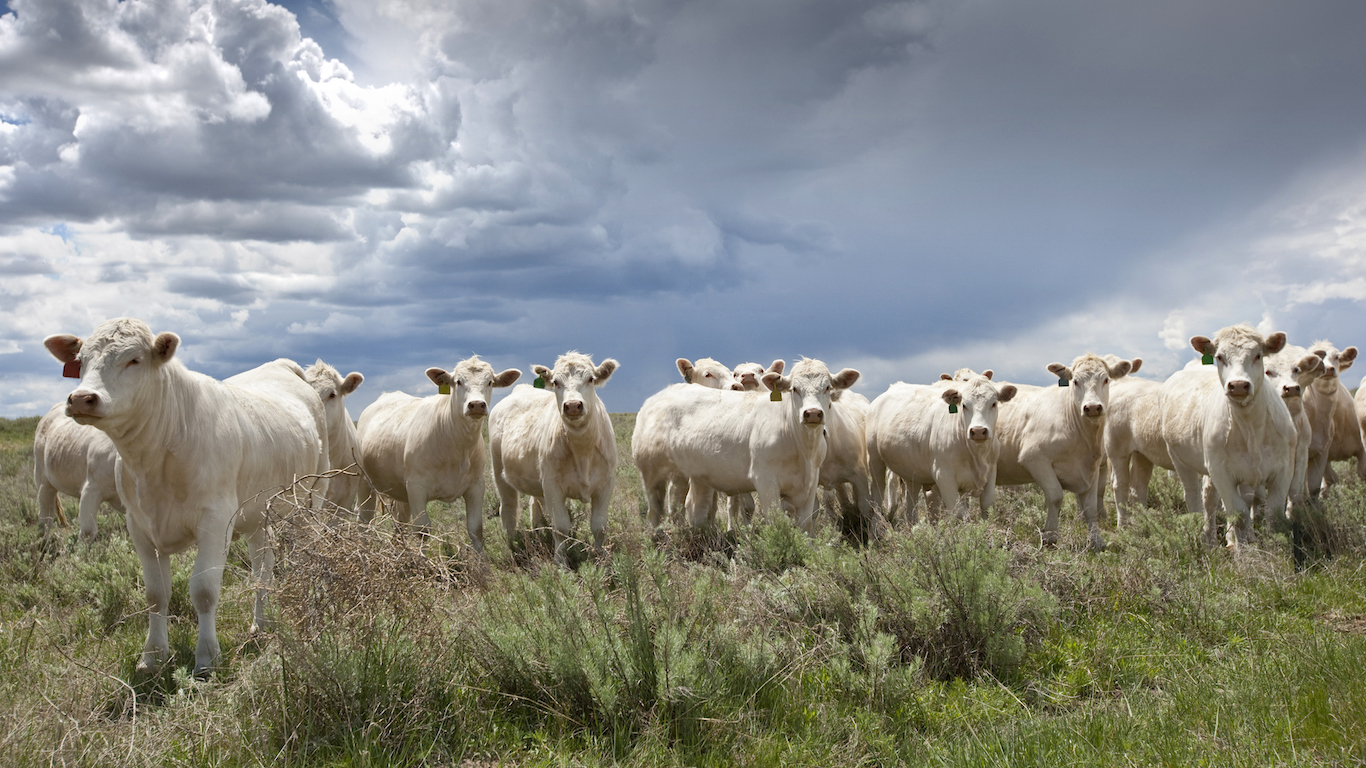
<point>1335,361</point>
<point>332,389</point>
<point>976,398</point>
<point>709,373</point>
<point>750,374</point>
<point>1240,356</point>
<point>1089,380</point>
<point>472,382</point>
<point>1290,378</point>
<point>812,387</point>
<point>120,363</point>
<point>965,374</point>
<point>574,382</point>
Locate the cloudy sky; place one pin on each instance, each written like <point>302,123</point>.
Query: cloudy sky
<point>901,187</point>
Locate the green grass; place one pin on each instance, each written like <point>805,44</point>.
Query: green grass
<point>956,644</point>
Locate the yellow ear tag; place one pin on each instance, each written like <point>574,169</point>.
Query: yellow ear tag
<point>775,396</point>
<point>953,407</point>
<point>443,389</point>
<point>539,383</point>
<point>1207,359</point>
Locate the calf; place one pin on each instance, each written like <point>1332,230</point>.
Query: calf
<point>737,442</point>
<point>343,444</point>
<point>1053,436</point>
<point>1133,440</point>
<point>708,373</point>
<point>199,460</point>
<point>75,460</point>
<point>416,449</point>
<point>912,433</point>
<point>750,374</point>
<point>1344,440</point>
<point>554,444</point>
<point>1227,423</point>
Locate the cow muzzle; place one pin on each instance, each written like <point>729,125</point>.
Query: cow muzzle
<point>979,434</point>
<point>1093,410</point>
<point>1238,388</point>
<point>813,416</point>
<point>573,409</point>
<point>737,388</point>
<point>1290,390</point>
<point>84,404</point>
<point>476,408</point>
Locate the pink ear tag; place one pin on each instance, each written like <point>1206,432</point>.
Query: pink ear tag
<point>72,370</point>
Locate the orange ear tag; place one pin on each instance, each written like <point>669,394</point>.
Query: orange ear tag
<point>72,370</point>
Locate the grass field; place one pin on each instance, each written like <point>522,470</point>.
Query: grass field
<point>956,644</point>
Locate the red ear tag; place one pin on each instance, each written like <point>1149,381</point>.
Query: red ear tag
<point>72,370</point>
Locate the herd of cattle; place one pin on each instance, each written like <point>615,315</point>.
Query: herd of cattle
<point>193,462</point>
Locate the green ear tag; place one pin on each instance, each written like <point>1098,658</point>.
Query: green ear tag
<point>539,383</point>
<point>443,389</point>
<point>775,396</point>
<point>1062,382</point>
<point>953,407</point>
<point>1207,359</point>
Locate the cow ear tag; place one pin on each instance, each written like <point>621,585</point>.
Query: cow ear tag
<point>539,383</point>
<point>775,396</point>
<point>72,370</point>
<point>1062,382</point>
<point>443,389</point>
<point>953,407</point>
<point>1207,359</point>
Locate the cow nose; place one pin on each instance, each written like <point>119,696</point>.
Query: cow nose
<point>1329,372</point>
<point>1239,387</point>
<point>1290,390</point>
<point>82,402</point>
<point>573,408</point>
<point>1092,409</point>
<point>737,388</point>
<point>813,416</point>
<point>979,433</point>
<point>477,408</point>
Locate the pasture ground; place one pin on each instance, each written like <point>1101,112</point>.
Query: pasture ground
<point>953,644</point>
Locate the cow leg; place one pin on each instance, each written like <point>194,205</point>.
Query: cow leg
<point>1047,480</point>
<point>877,485</point>
<point>417,507</point>
<point>261,552</point>
<point>656,493</point>
<point>366,513</point>
<point>911,494</point>
<point>747,506</point>
<point>1235,507</point>
<point>558,511</point>
<point>1315,471</point>
<point>90,507</point>
<point>49,507</point>
<point>1092,501</point>
<point>1120,481</point>
<point>597,521</point>
<point>1277,493</point>
<point>678,491</point>
<point>803,510</point>
<point>474,513</point>
<point>695,504</point>
<point>1140,475</point>
<point>946,486</point>
<point>988,498</point>
<point>156,576</point>
<point>1191,489</point>
<point>206,582</point>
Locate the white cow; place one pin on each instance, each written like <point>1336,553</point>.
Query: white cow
<point>1133,439</point>
<point>1345,441</point>
<point>1321,405</point>
<point>912,433</point>
<point>844,473</point>
<point>199,460</point>
<point>416,449</point>
<point>1292,379</point>
<point>343,445</point>
<point>1053,436</point>
<point>1227,423</point>
<point>554,444</point>
<point>709,373</point>
<point>74,460</point>
<point>737,442</point>
<point>750,374</point>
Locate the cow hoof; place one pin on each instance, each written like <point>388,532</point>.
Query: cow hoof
<point>1050,538</point>
<point>1097,543</point>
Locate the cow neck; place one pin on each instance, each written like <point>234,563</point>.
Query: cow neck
<point>1090,434</point>
<point>803,437</point>
<point>157,422</point>
<point>462,428</point>
<point>584,435</point>
<point>1253,420</point>
<point>980,452</point>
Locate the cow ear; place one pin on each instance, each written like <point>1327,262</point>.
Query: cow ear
<point>1346,358</point>
<point>846,378</point>
<point>1202,344</point>
<point>506,378</point>
<point>945,377</point>
<point>63,346</point>
<point>685,367</point>
<point>1060,370</point>
<point>351,383</point>
<point>1006,394</point>
<point>777,366</point>
<point>541,372</point>
<point>776,382</point>
<point>988,373</point>
<point>1121,369</point>
<point>164,346</point>
<point>1138,363</point>
<point>951,396</point>
<point>1322,353</point>
<point>1308,364</point>
<point>604,372</point>
<point>1274,343</point>
<point>439,377</point>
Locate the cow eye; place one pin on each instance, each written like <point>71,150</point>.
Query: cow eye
<point>1256,358</point>
<point>459,383</point>
<point>331,395</point>
<point>132,362</point>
